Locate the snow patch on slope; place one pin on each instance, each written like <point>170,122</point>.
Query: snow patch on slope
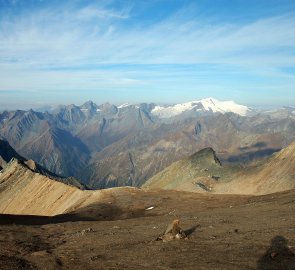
<point>123,105</point>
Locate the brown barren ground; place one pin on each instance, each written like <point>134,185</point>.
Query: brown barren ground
<point>225,232</point>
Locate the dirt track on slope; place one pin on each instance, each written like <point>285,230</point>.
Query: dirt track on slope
<point>225,232</point>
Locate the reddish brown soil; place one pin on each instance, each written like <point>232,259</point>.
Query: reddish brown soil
<point>225,232</point>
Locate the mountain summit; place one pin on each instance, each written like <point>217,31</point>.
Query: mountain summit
<point>195,173</point>
<point>203,105</point>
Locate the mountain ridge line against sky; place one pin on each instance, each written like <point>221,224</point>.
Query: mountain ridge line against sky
<point>54,52</point>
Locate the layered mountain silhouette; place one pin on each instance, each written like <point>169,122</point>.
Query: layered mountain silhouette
<point>107,145</point>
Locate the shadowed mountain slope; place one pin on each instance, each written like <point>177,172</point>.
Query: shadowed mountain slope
<point>59,151</point>
<point>37,136</point>
<point>7,153</point>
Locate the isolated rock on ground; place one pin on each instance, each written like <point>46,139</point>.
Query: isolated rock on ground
<point>172,232</point>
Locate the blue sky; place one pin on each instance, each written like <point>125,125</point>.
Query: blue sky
<point>164,51</point>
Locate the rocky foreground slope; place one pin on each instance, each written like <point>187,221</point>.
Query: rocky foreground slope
<point>23,191</point>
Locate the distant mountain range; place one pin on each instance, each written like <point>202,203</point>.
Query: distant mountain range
<point>166,111</point>
<point>107,145</point>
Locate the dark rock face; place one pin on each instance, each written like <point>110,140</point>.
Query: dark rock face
<point>7,153</point>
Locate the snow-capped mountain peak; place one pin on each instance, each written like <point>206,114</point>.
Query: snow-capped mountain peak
<point>123,105</point>
<point>203,105</point>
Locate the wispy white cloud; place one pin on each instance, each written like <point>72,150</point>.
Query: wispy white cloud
<point>42,47</point>
<point>67,34</point>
